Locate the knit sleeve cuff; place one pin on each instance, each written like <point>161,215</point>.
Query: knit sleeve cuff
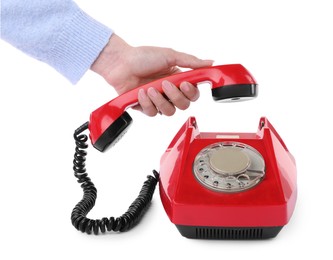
<point>77,47</point>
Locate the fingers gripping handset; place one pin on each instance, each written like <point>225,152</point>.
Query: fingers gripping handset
<point>228,82</point>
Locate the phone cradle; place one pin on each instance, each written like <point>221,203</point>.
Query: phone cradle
<point>228,185</point>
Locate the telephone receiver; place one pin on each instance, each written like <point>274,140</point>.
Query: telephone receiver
<point>230,82</point>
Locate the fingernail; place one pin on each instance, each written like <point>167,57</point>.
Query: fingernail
<point>152,92</point>
<point>211,61</point>
<point>142,94</point>
<point>185,87</point>
<point>166,85</point>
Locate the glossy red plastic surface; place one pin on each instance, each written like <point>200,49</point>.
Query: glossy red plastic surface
<point>219,76</point>
<point>187,202</point>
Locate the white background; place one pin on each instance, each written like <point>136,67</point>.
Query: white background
<point>286,45</point>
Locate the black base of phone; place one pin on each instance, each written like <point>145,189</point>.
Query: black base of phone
<point>232,233</point>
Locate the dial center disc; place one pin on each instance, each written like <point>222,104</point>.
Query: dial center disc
<point>229,161</point>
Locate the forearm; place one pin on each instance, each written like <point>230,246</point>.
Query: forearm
<point>58,33</point>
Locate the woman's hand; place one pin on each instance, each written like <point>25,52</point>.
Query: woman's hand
<point>126,67</point>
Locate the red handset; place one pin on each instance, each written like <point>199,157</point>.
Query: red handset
<point>228,82</point>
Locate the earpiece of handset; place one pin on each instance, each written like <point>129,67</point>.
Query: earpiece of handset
<point>109,122</point>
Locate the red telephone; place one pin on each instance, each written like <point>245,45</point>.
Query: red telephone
<point>213,211</point>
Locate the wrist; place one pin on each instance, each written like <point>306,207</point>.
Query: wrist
<point>110,57</point>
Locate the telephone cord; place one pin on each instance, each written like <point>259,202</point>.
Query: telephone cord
<point>79,214</point>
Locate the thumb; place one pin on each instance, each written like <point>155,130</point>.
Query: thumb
<point>185,60</point>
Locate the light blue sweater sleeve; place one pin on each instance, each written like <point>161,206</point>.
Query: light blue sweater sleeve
<point>56,32</point>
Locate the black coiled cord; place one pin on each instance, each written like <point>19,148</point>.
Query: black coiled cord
<point>123,223</point>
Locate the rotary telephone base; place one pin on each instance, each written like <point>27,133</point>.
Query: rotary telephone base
<point>228,185</point>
